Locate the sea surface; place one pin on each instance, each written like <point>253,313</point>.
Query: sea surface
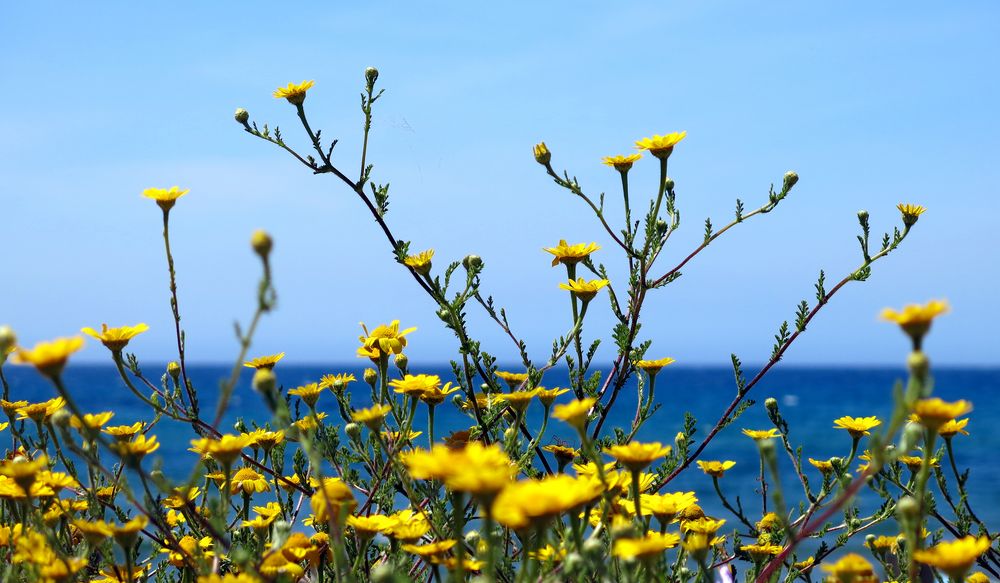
<point>809,399</point>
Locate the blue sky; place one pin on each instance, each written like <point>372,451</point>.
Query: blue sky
<point>871,103</point>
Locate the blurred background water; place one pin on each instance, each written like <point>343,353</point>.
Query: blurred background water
<point>809,398</point>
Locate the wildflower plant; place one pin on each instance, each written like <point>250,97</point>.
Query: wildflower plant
<point>347,479</point>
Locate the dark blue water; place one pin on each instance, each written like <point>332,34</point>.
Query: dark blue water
<point>810,399</point>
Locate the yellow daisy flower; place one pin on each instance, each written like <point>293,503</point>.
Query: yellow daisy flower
<point>385,339</point>
<point>621,163</point>
<point>714,468</point>
<point>49,357</point>
<point>267,362</point>
<point>758,434</point>
<point>953,557</point>
<point>857,426</point>
<point>165,197</point>
<point>653,367</point>
<point>910,212</point>
<point>651,545</point>
<point>575,413</point>
<point>660,146</point>
<point>421,262</point>
<point>372,416</point>
<point>583,289</point>
<point>571,254</point>
<point>115,339</point>
<point>934,412</point>
<point>295,93</point>
<point>636,456</point>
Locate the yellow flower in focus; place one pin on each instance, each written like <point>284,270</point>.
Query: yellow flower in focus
<point>575,413</point>
<point>373,417</point>
<point>548,396</point>
<point>953,427</point>
<point>41,412</point>
<point>851,568</point>
<point>621,163</point>
<point>436,396</point>
<point>804,564</point>
<point>476,469</point>
<point>115,339</point>
<point>136,449</point>
<point>518,400</point>
<point>368,526</point>
<point>649,546</point>
<point>571,254</point>
<point>636,456</point>
<point>513,379</point>
<point>188,549</point>
<point>530,502</point>
<point>415,385</point>
<point>90,421</point>
<point>336,382</point>
<point>421,262</point>
<point>953,557</point>
<point>180,497</point>
<point>49,357</point>
<point>714,468</point>
<point>394,436</point>
<point>295,93</point>
<point>165,197</point>
<point>309,393</point>
<point>409,525</point>
<point>857,426</point>
<point>758,434</point>
<point>582,289</point>
<point>665,507</point>
<point>934,412</point>
<point>760,551</point>
<point>653,367</point>
<point>384,338</point>
<point>698,543</point>
<point>823,466</point>
<point>224,450</point>
<point>124,432</point>
<point>883,544</point>
<point>267,362</point>
<point>264,439</point>
<point>910,212</point>
<point>248,481</point>
<point>309,422</point>
<point>660,146</point>
<point>770,522</point>
<point>703,525</point>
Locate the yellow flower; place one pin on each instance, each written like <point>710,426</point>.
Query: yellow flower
<point>333,500</point>
<point>714,468</point>
<point>804,564</point>
<point>542,154</point>
<point>635,456</point>
<point>666,506</point>
<point>977,577</point>
<point>248,481</point>
<point>548,396</point>
<point>436,396</point>
<point>94,531</point>
<point>914,462</point>
<point>857,426</point>
<point>652,367</point>
<point>513,379</point>
<point>421,262</point>
<point>397,435</point>
<point>124,432</point>
<point>758,434</point>
<point>309,393</point>
<point>477,469</point>
<point>41,412</point>
<point>126,533</point>
<point>852,568</point>
<point>115,339</point>
<point>585,290</point>
<point>536,501</point>
<point>294,93</point>
<point>953,427</point>
<point>336,382</point>
<point>698,543</point>
<point>415,385</point>
<point>187,549</point>
<point>372,416</point>
<point>575,413</point>
<point>703,525</point>
<point>910,212</point>
<point>265,439</point>
<point>660,146</point>
<point>369,526</point>
<point>384,338</point>
<point>165,197</point>
<point>761,551</point>
<point>823,466</point>
<point>49,357</point>
<point>136,449</point>
<point>289,482</point>
<point>518,400</point>
<point>571,254</point>
<point>409,525</point>
<point>91,421</point>
<point>915,314</point>
<point>181,496</point>
<point>224,450</point>
<point>934,413</point>
<point>563,453</point>
<point>621,163</point>
<point>435,549</point>
<point>267,362</point>
<point>954,557</point>
<point>11,407</point>
<point>883,544</point>
<point>651,545</point>
<point>769,522</point>
<point>309,422</point>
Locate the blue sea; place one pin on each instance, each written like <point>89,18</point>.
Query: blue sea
<point>809,398</point>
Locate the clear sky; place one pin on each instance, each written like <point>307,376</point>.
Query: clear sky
<point>871,103</point>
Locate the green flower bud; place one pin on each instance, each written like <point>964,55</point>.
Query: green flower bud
<point>863,216</point>
<point>472,538</point>
<point>542,154</point>
<point>918,364</point>
<point>907,507</point>
<point>241,116</point>
<point>370,376</point>
<point>472,262</point>
<point>790,179</point>
<point>669,184</point>
<point>353,430</point>
<point>870,540</point>
<point>60,418</point>
<point>261,243</point>
<point>371,74</point>
<point>401,362</point>
<point>913,433</point>
<point>8,340</point>
<point>174,370</point>
<point>771,404</point>
<point>264,381</point>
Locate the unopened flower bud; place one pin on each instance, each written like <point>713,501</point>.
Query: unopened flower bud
<point>484,387</point>
<point>444,314</point>
<point>8,340</point>
<point>241,116</point>
<point>261,243</point>
<point>907,507</point>
<point>472,538</point>
<point>401,362</point>
<point>870,540</point>
<point>264,381</point>
<point>542,154</point>
<point>863,216</point>
<point>370,376</point>
<point>371,74</point>
<point>574,561</point>
<point>790,179</point>
<point>174,370</point>
<point>509,433</point>
<point>472,262</point>
<point>679,439</point>
<point>593,546</point>
<point>668,184</point>
<point>771,404</point>
<point>912,434</point>
<point>60,418</point>
<point>918,363</point>
<point>353,430</point>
